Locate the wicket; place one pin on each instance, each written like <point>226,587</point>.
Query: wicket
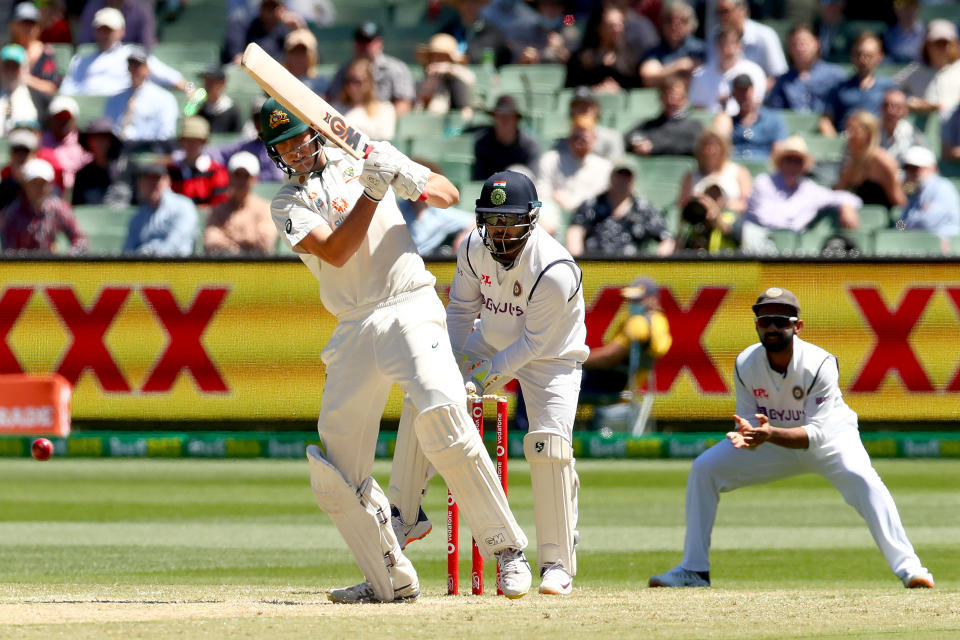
<point>475,405</point>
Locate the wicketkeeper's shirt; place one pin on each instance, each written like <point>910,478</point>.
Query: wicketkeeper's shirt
<point>387,262</point>
<point>807,395</point>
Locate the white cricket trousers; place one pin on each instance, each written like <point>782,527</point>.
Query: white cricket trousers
<point>842,460</point>
<point>403,340</point>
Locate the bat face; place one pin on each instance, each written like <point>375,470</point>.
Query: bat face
<point>274,78</point>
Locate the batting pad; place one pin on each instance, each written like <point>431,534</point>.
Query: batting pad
<point>411,470</point>
<point>451,443</point>
<point>362,515</point>
<point>555,487</point>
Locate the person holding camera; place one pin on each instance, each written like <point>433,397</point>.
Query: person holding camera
<point>708,224</point>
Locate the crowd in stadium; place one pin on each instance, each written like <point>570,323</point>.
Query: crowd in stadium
<point>657,128</point>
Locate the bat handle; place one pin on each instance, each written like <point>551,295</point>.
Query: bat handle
<point>368,149</point>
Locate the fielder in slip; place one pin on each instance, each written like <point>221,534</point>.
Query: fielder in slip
<point>791,419</point>
<point>525,287</point>
<point>340,215</point>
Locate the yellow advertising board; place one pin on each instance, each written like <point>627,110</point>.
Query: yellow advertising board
<point>242,340</point>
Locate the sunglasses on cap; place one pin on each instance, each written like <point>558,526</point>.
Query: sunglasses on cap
<point>780,322</point>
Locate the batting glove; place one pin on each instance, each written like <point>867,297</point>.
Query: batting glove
<point>483,378</point>
<point>411,180</point>
<point>376,178</point>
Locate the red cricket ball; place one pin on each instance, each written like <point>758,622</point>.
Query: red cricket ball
<point>42,449</point>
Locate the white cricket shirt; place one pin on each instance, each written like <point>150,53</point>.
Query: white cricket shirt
<point>387,262</point>
<point>807,396</point>
<point>532,311</point>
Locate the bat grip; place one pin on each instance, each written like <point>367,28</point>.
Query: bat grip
<point>423,196</point>
<point>368,149</point>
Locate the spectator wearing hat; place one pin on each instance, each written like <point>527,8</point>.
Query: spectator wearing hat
<point>934,204</point>
<point>679,52</point>
<point>218,108</point>
<point>710,84</point>
<point>144,115</point>
<point>165,224</point>
<point>609,142</point>
<point>33,220</point>
<point>108,177</point>
<point>868,170</point>
<point>809,80</point>
<point>268,28</point>
<point>863,90</point>
<point>300,58</point>
<point>193,172</point>
<point>242,223</point>
<point>904,40</point>
<point>933,84</point>
<point>54,26</point>
<point>897,133</point>
<point>360,106</point>
<point>760,43</point>
<point>41,65</point>
<point>618,222</point>
<point>714,165</point>
<point>567,177</point>
<point>448,83</point>
<point>104,71</point>
<point>16,103</point>
<point>391,77</point>
<point>138,18</point>
<point>62,138</point>
<point>606,61</point>
<point>24,141</point>
<point>787,199</point>
<point>755,129</point>
<point>673,132</point>
<point>269,171</point>
<point>481,39</point>
<point>504,145</point>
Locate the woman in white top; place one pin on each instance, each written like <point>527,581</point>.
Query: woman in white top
<point>359,105</point>
<point>715,167</point>
<point>934,84</point>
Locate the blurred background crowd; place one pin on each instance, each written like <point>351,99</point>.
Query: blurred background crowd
<point>650,127</point>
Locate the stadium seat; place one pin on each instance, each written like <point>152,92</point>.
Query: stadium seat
<point>826,149</point>
<point>62,53</point>
<point>106,227</point>
<point>947,10</point>
<point>786,241</point>
<point>438,148</point>
<point>755,167</point>
<point>894,242</point>
<point>519,78</point>
<point>420,124</point>
<point>642,105</point>
<point>89,108</point>
<point>873,217</point>
<point>955,246</point>
<point>801,122</point>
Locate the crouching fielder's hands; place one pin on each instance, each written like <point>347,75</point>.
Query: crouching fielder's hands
<point>746,436</point>
<point>481,377</point>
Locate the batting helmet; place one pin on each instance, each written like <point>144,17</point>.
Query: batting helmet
<point>508,205</point>
<point>278,124</point>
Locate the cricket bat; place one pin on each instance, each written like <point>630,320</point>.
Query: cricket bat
<point>304,103</point>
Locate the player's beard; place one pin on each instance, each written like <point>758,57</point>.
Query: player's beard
<point>776,341</point>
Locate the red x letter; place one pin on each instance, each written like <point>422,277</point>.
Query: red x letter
<point>185,350</point>
<point>601,313</point>
<point>11,306</point>
<point>954,294</point>
<point>893,350</point>
<point>88,328</point>
<point>687,328</point>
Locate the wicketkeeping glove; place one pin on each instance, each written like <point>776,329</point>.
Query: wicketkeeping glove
<point>483,379</point>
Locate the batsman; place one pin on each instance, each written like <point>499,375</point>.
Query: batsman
<point>525,288</point>
<point>340,216</point>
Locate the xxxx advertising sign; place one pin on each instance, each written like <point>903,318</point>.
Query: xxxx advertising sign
<point>204,340</point>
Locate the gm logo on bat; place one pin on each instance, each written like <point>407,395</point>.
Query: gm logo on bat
<point>340,129</point>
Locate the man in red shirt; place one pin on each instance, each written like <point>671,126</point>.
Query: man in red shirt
<point>193,172</point>
<point>32,221</point>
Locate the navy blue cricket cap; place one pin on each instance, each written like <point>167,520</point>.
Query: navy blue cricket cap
<point>507,192</point>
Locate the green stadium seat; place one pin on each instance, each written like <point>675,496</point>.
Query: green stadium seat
<point>913,243</point>
<point>802,122</point>
<point>469,193</point>
<point>105,226</point>
<point>642,104</point>
<point>786,241</point>
<point>267,190</point>
<point>198,21</point>
<point>520,78</point>
<point>755,167</point>
<point>862,238</point>
<point>401,42</point>
<point>457,171</point>
<point>611,104</point>
<point>955,246</point>
<point>873,217</point>
<point>435,149</point>
<point>62,53</point>
<point>420,124</point>
<point>178,54</point>
<point>825,149</point>
<point>948,11</point>
<point>89,108</point>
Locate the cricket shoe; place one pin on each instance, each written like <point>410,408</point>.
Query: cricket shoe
<point>515,575</point>
<point>555,581</point>
<point>922,579</point>
<point>363,593</point>
<point>407,533</point>
<point>680,577</point>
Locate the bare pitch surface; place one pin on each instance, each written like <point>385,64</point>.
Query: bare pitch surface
<point>157,549</point>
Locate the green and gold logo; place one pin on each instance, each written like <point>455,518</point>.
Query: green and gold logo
<point>278,118</point>
<point>498,197</point>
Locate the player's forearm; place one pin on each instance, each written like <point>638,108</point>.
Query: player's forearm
<point>441,192</point>
<point>789,438</point>
<point>338,246</point>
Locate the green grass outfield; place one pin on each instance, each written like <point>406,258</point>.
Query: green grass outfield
<point>99,548</point>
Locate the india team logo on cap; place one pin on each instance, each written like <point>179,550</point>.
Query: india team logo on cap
<point>502,184</point>
<point>278,118</point>
<point>774,292</point>
<point>499,195</point>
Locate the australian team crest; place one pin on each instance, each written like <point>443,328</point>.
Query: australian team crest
<point>499,194</point>
<point>339,205</point>
<point>517,289</point>
<point>278,117</point>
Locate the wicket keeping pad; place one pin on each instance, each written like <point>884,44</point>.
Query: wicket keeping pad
<point>452,445</point>
<point>362,515</point>
<point>555,487</point>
